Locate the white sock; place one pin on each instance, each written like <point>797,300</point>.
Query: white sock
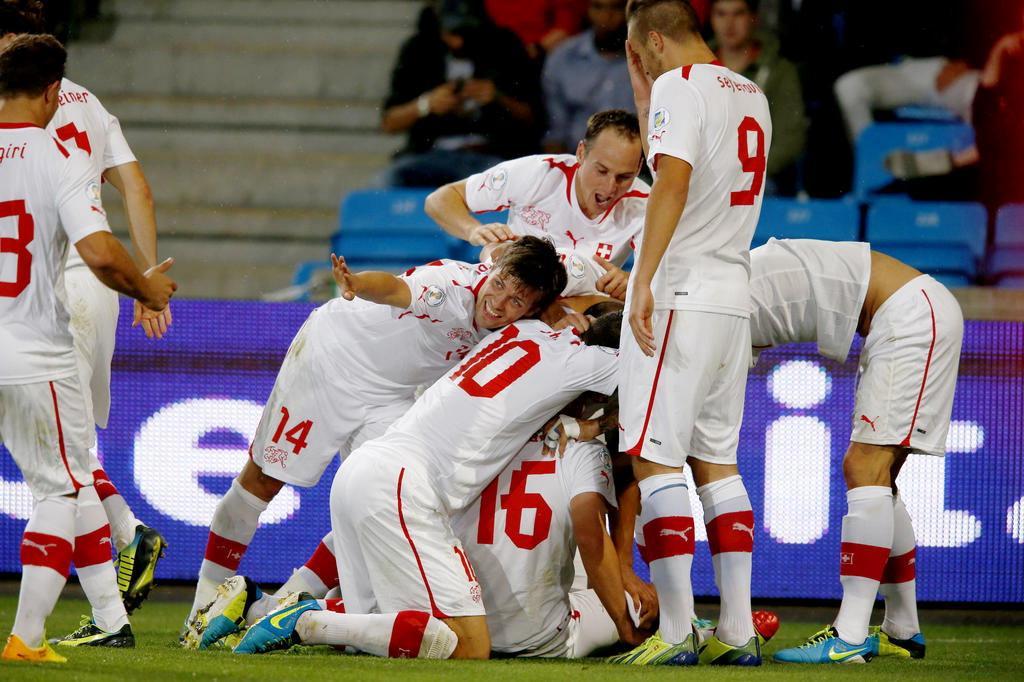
<point>122,521</point>
<point>866,542</point>
<point>234,523</point>
<point>667,528</point>
<point>730,525</point>
<point>46,549</point>
<point>93,562</point>
<point>406,634</point>
<point>899,583</point>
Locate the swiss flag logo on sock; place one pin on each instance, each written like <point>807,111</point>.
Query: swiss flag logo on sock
<point>846,558</point>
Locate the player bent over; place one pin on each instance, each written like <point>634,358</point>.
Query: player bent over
<point>807,290</point>
<point>684,360</point>
<point>353,369</point>
<point>81,121</point>
<point>46,194</point>
<point>393,499</point>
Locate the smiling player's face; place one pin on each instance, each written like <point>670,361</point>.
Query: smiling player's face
<point>503,300</point>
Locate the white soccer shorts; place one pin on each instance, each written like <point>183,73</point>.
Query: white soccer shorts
<point>310,416</point>
<point>687,400</point>
<point>393,539</point>
<point>46,427</point>
<point>587,628</point>
<point>908,369</point>
<point>94,310</point>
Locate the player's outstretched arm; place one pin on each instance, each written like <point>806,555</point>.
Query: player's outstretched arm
<point>448,207</point>
<point>112,265</point>
<point>131,182</point>
<point>376,287</point>
<point>601,562</point>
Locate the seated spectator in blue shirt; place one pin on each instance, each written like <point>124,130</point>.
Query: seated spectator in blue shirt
<point>587,73</point>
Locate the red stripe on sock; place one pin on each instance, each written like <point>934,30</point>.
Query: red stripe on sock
<point>324,566</point>
<point>668,536</point>
<point>865,561</point>
<point>93,548</point>
<point>901,569</point>
<point>40,549</point>
<point>732,532</point>
<point>104,488</point>
<point>335,605</point>
<point>224,552</point>
<point>407,634</point>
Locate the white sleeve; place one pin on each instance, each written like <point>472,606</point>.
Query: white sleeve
<point>117,152</point>
<point>587,468</point>
<point>78,198</point>
<point>593,368</point>
<point>510,183</point>
<point>581,272</point>
<point>436,287</point>
<point>676,120</point>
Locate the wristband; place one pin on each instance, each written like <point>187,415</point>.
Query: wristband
<point>423,105</point>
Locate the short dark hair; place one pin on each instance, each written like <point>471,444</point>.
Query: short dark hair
<point>675,18</point>
<point>604,331</point>
<point>535,263</point>
<point>30,64</point>
<point>621,121</point>
<point>751,4</point>
<point>21,16</point>
<point>604,307</point>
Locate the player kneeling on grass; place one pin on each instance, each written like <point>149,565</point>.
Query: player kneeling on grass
<point>352,369</point>
<point>808,290</point>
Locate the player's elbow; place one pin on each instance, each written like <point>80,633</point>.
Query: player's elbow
<point>434,202</point>
<point>97,251</point>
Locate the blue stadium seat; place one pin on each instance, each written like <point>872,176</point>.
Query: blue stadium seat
<point>879,139</point>
<point>1010,225</point>
<point>953,267</point>
<point>960,224</point>
<point>1005,262</point>
<point>371,210</point>
<point>1012,282</point>
<point>920,112</point>
<point>834,220</point>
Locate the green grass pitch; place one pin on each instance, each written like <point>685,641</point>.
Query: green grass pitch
<point>954,653</point>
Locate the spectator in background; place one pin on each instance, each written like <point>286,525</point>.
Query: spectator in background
<point>755,54</point>
<point>467,95</point>
<point>541,25</point>
<point>587,73</point>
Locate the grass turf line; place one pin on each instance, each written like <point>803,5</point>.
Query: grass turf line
<point>953,653</point>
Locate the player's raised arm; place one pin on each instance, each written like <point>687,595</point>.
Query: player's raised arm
<point>641,82</point>
<point>448,207</point>
<point>377,287</point>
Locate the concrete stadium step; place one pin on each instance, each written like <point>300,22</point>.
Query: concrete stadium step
<point>227,222</point>
<point>286,113</point>
<point>277,11</point>
<point>261,140</point>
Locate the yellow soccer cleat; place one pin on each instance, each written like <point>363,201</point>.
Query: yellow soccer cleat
<point>656,651</point>
<point>17,650</point>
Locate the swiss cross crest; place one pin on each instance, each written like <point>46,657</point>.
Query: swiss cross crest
<point>604,251</point>
<point>846,558</point>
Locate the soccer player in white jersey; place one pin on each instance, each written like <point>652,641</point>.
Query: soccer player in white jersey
<point>393,498</point>
<point>592,202</point>
<point>48,199</point>
<point>823,292</point>
<point>684,357</point>
<point>81,121</point>
<point>352,369</point>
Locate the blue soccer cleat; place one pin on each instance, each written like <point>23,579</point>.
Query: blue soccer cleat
<point>826,647</point>
<point>224,616</point>
<point>275,630</point>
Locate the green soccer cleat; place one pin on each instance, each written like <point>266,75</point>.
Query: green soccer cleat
<point>136,566</point>
<point>276,630</point>
<point>656,651</point>
<point>90,635</point>
<point>225,615</point>
<point>716,652</point>
<point>887,645</point>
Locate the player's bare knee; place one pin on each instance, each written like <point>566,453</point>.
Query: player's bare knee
<point>253,480</point>
<point>474,638</point>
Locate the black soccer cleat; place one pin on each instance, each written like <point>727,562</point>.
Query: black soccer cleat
<point>136,566</point>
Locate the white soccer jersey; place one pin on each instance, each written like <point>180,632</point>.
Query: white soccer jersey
<point>718,122</point>
<point>539,193</point>
<point>48,198</point>
<point>383,353</point>
<point>466,427</point>
<point>520,541</point>
<point>81,121</point>
<point>808,290</point>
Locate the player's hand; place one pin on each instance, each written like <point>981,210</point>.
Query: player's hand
<point>645,597</point>
<point>161,287</point>
<point>343,276</point>
<point>491,233</point>
<point>641,312</point>
<point>613,281</point>
<point>577,321</point>
<point>638,77</point>
<point>443,99</point>
<point>154,323</point>
<point>480,90</point>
